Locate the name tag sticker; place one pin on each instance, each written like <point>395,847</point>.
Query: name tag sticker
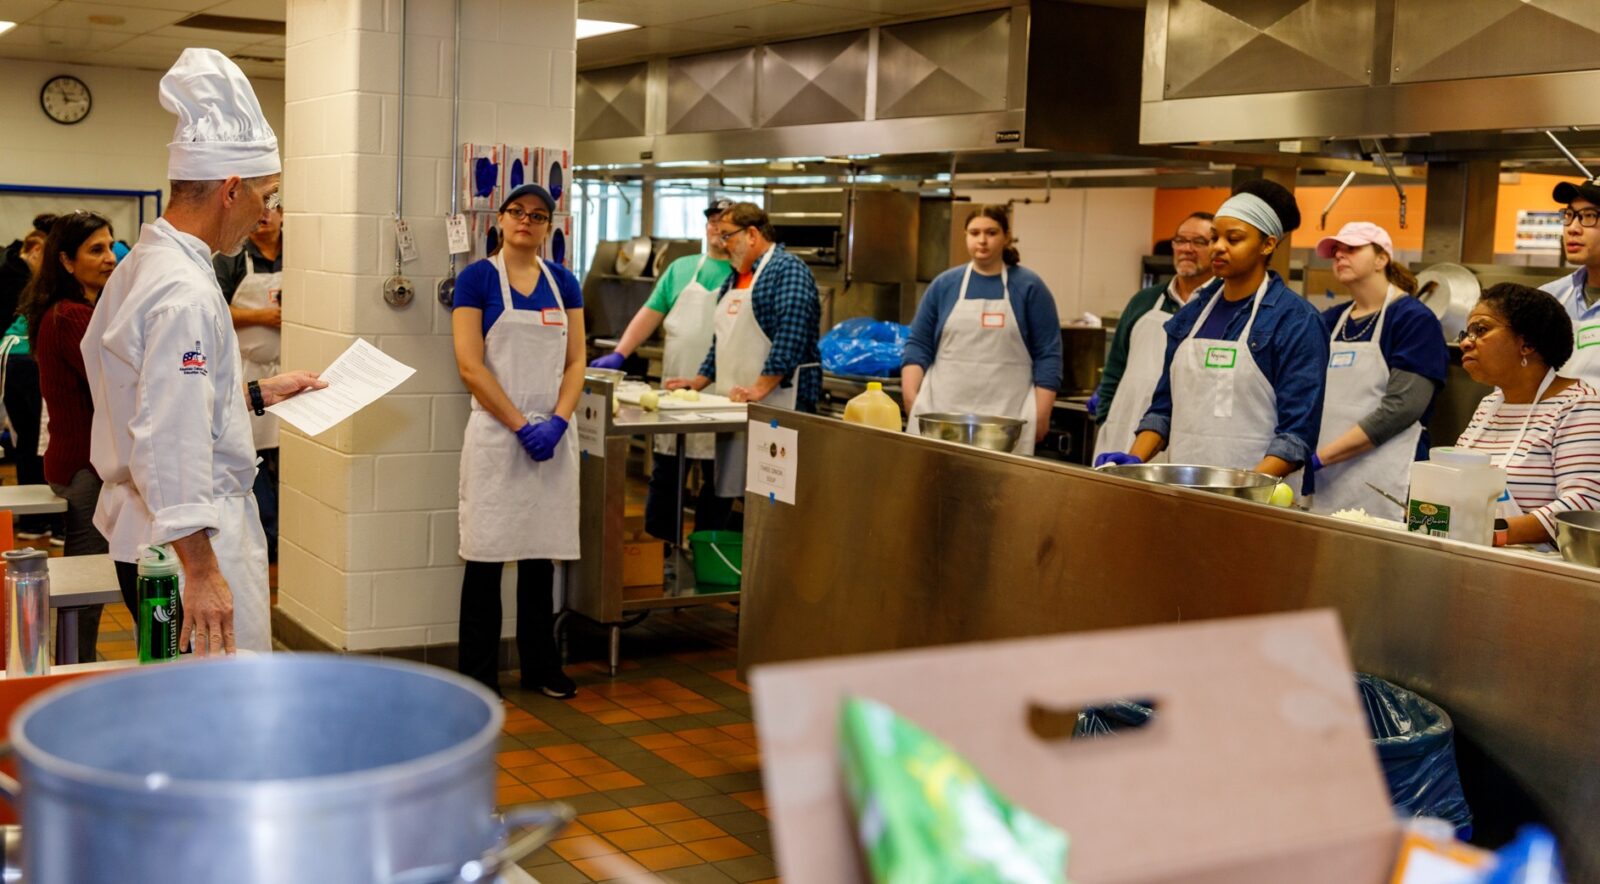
<point>1588,336</point>
<point>733,306</point>
<point>552,316</point>
<point>994,320</point>
<point>1221,357</point>
<point>1342,359</point>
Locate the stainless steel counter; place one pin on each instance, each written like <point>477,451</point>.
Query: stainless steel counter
<point>897,541</point>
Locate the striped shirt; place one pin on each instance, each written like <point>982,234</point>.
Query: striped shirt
<point>1556,468</point>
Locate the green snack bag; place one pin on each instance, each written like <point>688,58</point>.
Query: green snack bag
<point>924,815</point>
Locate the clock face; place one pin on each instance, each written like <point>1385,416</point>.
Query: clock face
<point>65,99</point>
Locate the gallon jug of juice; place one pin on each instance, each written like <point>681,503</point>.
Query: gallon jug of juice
<point>874,408</point>
<point>1453,495</point>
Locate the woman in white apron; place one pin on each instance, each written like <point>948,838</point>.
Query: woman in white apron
<point>1387,363</point>
<point>519,464</point>
<point>1243,390</point>
<point>683,305</point>
<point>1544,430</point>
<point>971,350</point>
<point>1134,362</point>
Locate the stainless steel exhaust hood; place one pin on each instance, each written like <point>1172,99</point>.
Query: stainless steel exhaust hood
<point>1043,76</point>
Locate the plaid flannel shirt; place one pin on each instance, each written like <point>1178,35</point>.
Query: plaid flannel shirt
<point>788,310</point>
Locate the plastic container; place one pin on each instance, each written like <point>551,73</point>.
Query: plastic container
<point>1453,495</point>
<point>874,408</point>
<point>160,605</point>
<point>718,557</point>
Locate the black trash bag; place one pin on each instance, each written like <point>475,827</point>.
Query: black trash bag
<point>1416,746</point>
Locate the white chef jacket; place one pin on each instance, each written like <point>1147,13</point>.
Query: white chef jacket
<point>171,432</point>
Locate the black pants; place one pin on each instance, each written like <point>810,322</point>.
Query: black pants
<point>266,491</point>
<point>711,513</point>
<point>128,582</point>
<point>24,406</point>
<point>479,652</point>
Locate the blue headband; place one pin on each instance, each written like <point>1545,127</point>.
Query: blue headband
<point>1253,210</point>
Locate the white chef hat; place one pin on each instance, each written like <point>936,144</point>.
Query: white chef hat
<point>221,130</point>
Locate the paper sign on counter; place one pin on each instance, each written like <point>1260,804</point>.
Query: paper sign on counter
<point>773,461</point>
<point>591,420</point>
<point>355,380</point>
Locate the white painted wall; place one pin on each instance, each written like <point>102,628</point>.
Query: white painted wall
<point>121,144</point>
<point>367,553</point>
<point>1085,243</point>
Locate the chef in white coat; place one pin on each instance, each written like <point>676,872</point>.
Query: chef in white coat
<point>1138,349</point>
<point>1579,291</point>
<point>517,325</point>
<point>171,431</point>
<point>683,304</point>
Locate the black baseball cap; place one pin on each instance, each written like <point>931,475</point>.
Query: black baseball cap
<point>1566,192</point>
<point>530,190</point>
<point>717,207</point>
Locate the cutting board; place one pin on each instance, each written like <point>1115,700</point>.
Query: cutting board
<point>706,402</point>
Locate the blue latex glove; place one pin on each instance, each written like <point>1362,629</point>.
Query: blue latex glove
<point>1094,404</point>
<point>1316,463</point>
<point>543,439</point>
<point>526,437</point>
<point>1116,458</point>
<point>610,360</point>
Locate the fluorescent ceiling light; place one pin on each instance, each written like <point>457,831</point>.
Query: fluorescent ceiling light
<point>6,26</point>
<point>589,27</point>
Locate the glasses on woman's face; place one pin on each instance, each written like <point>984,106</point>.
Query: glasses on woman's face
<point>537,219</point>
<point>1584,217</point>
<point>1475,332</point>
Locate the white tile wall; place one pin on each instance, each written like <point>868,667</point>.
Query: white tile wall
<point>369,532</point>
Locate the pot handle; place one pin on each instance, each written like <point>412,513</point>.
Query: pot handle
<point>541,821</point>
<point>9,787</point>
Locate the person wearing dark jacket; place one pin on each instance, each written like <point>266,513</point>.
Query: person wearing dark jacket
<point>19,379</point>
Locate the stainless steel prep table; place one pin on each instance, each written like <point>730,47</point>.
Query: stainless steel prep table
<point>594,587</point>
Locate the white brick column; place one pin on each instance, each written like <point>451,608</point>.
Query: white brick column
<point>367,551</point>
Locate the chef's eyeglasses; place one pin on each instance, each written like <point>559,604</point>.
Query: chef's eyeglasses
<point>1584,217</point>
<point>536,218</point>
<point>1179,242</point>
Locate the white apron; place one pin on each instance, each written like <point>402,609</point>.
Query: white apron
<point>688,328</point>
<point>511,507</point>
<point>1358,377</point>
<point>982,365</point>
<point>742,350</point>
<point>1224,411</point>
<point>259,344</point>
<point>1147,354</point>
<point>1584,364</point>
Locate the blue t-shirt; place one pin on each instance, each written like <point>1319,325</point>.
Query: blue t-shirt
<point>1216,324</point>
<point>1413,340</point>
<point>479,286</point>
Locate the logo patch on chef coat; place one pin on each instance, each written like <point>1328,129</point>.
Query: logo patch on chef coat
<point>194,361</point>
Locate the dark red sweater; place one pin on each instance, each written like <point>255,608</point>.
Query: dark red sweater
<point>66,389</point>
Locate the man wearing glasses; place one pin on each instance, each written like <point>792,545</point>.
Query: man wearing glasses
<point>1579,293</point>
<point>764,329</point>
<point>170,434</point>
<point>1139,347</point>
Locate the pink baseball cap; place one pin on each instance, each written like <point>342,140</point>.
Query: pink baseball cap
<point>1355,235</point>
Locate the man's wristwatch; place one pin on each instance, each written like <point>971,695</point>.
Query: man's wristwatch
<point>258,404</point>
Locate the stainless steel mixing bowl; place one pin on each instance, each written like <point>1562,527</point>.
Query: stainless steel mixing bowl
<point>1578,537</point>
<point>1219,480</point>
<point>979,430</point>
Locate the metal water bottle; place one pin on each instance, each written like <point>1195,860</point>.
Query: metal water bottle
<point>160,604</point>
<point>27,612</point>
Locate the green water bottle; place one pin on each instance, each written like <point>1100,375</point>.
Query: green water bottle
<point>160,605</point>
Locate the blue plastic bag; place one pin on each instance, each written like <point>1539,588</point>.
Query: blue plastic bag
<point>865,347</point>
<point>1416,746</point>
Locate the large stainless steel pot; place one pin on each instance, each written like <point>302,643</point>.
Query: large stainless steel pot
<point>281,768</point>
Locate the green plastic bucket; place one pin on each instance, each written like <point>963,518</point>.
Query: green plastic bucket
<point>718,557</point>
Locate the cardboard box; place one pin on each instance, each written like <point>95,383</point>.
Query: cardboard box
<point>555,173</point>
<point>1257,766</point>
<point>520,167</point>
<point>483,177</point>
<point>641,562</point>
<point>558,244</point>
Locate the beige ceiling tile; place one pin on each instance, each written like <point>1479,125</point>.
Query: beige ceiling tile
<point>269,9</point>
<point>65,39</point>
<point>23,10</point>
<point>663,12</point>
<point>180,5</point>
<point>783,20</point>
<point>634,45</point>
<point>273,48</point>
<point>132,19</point>
<point>222,41</point>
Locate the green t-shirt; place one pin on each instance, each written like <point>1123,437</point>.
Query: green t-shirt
<point>712,276</point>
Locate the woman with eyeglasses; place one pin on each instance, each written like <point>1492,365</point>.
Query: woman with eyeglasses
<point>1579,292</point>
<point>986,338</point>
<point>519,344</point>
<point>1387,365</point>
<point>1543,429</point>
<point>1246,357</point>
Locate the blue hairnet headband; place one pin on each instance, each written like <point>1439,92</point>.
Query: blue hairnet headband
<point>1254,211</point>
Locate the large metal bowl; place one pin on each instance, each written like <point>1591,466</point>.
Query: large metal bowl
<point>979,430</point>
<point>1218,480</point>
<point>1578,537</point>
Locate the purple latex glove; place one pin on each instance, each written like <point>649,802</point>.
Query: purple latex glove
<point>544,438</point>
<point>610,360</point>
<point>1115,458</point>
<point>526,437</point>
<point>1316,463</point>
<point>1093,404</point>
